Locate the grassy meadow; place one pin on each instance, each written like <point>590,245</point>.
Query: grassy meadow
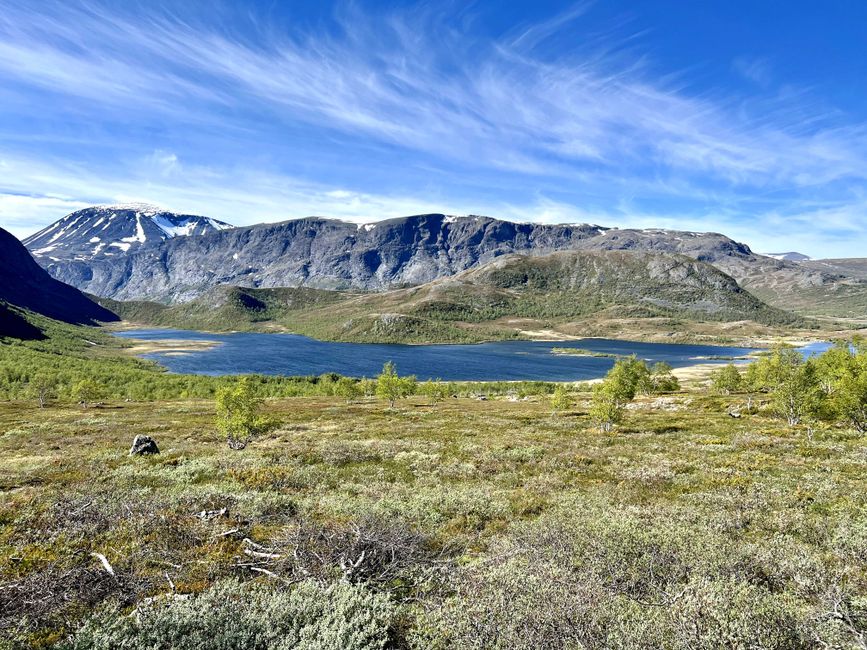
<point>464,524</point>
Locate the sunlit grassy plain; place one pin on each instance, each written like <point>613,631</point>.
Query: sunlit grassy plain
<point>685,524</point>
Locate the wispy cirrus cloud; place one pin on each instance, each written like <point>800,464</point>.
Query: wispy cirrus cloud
<point>406,104</point>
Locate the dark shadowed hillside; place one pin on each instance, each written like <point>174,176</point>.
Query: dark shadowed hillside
<point>24,284</point>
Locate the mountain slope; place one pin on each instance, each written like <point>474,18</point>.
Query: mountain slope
<point>113,230</point>
<point>330,254</point>
<point>575,284</point>
<point>24,284</point>
<point>497,300</point>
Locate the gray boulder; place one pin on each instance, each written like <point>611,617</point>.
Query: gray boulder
<point>143,445</point>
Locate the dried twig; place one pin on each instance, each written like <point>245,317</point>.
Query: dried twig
<point>105,563</point>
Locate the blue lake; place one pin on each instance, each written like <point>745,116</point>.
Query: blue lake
<point>289,354</point>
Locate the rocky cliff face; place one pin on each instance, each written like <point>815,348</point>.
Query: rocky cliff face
<point>333,254</point>
<point>24,284</point>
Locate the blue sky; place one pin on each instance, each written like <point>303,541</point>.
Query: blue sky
<point>748,118</point>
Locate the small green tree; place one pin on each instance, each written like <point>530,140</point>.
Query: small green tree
<point>610,397</point>
<point>561,399</point>
<point>849,401</point>
<point>726,380</point>
<point>765,374</point>
<point>348,388</point>
<point>661,379</point>
<point>798,394</point>
<point>43,388</point>
<point>87,391</point>
<point>626,377</point>
<point>606,407</point>
<point>390,386</point>
<point>843,376</point>
<point>408,386</point>
<point>834,365</point>
<point>368,387</point>
<point>237,415</point>
<point>435,391</point>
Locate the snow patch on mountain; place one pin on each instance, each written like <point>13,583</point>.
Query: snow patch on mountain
<point>184,227</point>
<point>174,228</point>
<point>145,209</point>
<point>791,256</point>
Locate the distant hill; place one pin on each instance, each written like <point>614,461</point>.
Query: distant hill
<point>853,267</point>
<point>225,308</point>
<point>481,303</point>
<point>25,285</point>
<point>845,296</point>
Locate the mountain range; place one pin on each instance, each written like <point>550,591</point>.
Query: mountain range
<point>494,299</point>
<point>180,264</point>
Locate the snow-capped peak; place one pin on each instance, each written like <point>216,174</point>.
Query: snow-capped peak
<point>109,229</point>
<point>146,209</point>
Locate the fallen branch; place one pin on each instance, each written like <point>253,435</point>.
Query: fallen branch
<point>205,515</point>
<point>257,550</point>
<point>105,563</point>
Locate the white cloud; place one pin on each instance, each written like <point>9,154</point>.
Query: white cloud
<point>756,70</point>
<point>237,196</point>
<point>506,108</point>
<point>163,163</point>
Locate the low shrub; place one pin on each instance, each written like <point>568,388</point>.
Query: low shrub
<point>231,615</point>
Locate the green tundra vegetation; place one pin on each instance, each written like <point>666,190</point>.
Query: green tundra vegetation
<point>373,517</point>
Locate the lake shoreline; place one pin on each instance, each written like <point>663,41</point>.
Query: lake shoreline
<point>181,351</point>
<point>543,336</point>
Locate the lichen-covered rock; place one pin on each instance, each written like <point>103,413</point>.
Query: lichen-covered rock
<point>143,446</point>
